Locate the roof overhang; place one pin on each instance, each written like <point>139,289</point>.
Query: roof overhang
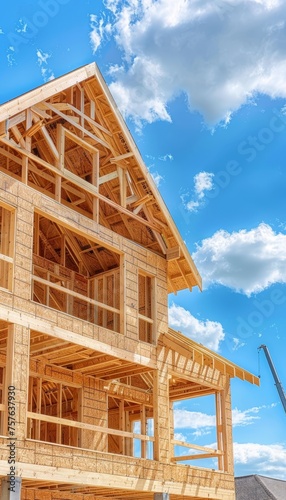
<point>205,357</point>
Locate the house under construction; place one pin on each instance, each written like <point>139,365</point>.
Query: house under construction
<point>89,370</point>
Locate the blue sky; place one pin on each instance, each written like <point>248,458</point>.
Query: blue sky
<point>202,87</point>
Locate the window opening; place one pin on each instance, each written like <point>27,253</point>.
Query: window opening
<point>75,275</point>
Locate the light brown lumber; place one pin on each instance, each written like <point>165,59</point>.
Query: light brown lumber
<point>37,324</point>
<point>81,425</point>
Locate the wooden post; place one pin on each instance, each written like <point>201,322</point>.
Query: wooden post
<point>11,488</point>
<point>122,185</point>
<point>162,444</point>
<point>227,428</point>
<point>60,162</point>
<point>94,181</point>
<point>121,444</point>
<point>219,430</point>
<point>143,429</point>
<point>25,160</point>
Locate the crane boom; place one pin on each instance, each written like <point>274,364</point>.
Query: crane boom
<point>275,376</point>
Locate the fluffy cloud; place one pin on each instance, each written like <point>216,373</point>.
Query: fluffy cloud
<point>100,30</point>
<point>246,417</point>
<point>209,333</point>
<point>237,344</point>
<point>246,261</point>
<point>192,419</point>
<point>220,54</point>
<point>196,420</point>
<point>267,459</point>
<point>203,181</point>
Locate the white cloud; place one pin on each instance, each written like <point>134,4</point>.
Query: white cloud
<point>22,26</point>
<point>203,181</point>
<point>192,205</point>
<point>42,57</point>
<point>246,417</point>
<point>10,56</point>
<point>202,422</point>
<point>192,419</point>
<point>267,459</point>
<point>145,98</point>
<point>1,31</point>
<point>245,261</point>
<point>100,29</point>
<point>208,333</point>
<point>166,157</point>
<point>46,72</point>
<point>237,344</point>
<point>201,432</point>
<point>220,54</point>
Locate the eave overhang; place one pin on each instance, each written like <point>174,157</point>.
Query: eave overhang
<point>206,357</point>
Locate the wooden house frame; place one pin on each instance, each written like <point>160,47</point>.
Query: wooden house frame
<point>89,369</point>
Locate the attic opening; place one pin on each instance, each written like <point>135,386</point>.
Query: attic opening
<point>76,275</point>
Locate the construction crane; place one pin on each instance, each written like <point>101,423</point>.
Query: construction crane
<point>275,376</point>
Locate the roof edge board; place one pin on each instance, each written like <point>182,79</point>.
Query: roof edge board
<point>45,91</point>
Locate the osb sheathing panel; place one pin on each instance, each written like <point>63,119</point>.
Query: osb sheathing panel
<point>28,494</point>
<point>125,467</point>
<point>127,495</point>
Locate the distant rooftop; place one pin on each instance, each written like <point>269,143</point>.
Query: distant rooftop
<point>259,488</point>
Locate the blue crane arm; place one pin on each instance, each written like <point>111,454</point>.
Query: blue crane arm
<point>275,376</point>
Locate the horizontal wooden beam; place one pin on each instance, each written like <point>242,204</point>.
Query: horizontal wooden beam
<point>62,289</point>
<point>107,177</point>
<point>196,457</point>
<point>81,425</point>
<point>194,446</point>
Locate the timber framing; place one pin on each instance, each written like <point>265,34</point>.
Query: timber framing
<point>89,369</point>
